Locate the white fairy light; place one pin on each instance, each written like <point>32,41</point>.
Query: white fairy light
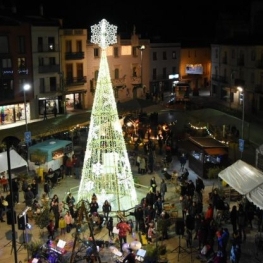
<point>106,162</point>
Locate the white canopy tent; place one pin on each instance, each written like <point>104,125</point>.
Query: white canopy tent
<point>16,161</point>
<point>245,179</point>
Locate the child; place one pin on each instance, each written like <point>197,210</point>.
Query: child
<point>130,223</point>
<point>62,225</point>
<point>150,233</point>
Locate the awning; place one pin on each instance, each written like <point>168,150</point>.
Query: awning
<point>76,91</point>
<point>245,179</point>
<point>16,161</point>
<point>215,151</point>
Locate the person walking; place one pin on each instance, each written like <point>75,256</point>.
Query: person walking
<point>29,197</point>
<point>110,227</point>
<point>55,111</point>
<point>153,184</point>
<point>163,189</point>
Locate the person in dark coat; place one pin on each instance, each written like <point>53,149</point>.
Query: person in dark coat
<point>233,218</point>
<point>29,197</point>
<point>15,189</point>
<point>34,188</point>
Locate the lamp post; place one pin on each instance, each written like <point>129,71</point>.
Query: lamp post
<point>141,49</point>
<point>241,90</point>
<point>25,88</point>
<point>27,136</point>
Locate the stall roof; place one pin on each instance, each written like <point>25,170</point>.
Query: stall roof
<point>207,142</point>
<point>51,145</point>
<point>16,161</point>
<point>245,179</point>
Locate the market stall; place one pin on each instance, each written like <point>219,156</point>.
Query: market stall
<point>245,179</point>
<point>205,153</point>
<point>48,155</point>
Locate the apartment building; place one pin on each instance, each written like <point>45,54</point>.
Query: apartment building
<point>74,67</point>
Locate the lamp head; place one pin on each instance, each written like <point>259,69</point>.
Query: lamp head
<point>26,87</point>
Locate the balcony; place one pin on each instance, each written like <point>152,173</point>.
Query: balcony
<point>119,82</point>
<point>49,69</point>
<point>74,55</point>
<point>47,48</point>
<point>76,81</point>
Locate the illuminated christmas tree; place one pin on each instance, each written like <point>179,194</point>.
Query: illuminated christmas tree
<point>106,168</point>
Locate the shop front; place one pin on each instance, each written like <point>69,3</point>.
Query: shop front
<point>206,153</point>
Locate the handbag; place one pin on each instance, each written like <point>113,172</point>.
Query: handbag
<point>115,230</point>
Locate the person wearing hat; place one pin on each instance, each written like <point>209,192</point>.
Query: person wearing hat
<point>124,229</point>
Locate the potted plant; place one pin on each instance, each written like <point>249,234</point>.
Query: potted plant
<point>33,248</point>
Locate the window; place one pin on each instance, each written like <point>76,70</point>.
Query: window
<point>154,73</point>
<point>51,44</point>
<point>174,70</point>
<point>252,78</point>
<point>68,46</point>
<point>134,51</point>
<point>216,53</point>
<point>79,46</point>
<point>164,73</point>
<point>154,56</point>
<point>134,71</point>
<point>233,54</point>
<point>96,53</point>
<point>6,63</point>
<point>164,55</point>
<point>52,61</point>
<point>7,89</point>
<point>40,61</point>
<point>116,52</point>
<point>21,64</point>
<point>21,45</point>
<point>116,73</point>
<point>4,44</point>
<point>53,83</point>
<point>174,55</point>
<point>40,44</point>
<point>69,73</point>
<point>96,74</point>
<point>80,70</point>
<point>42,85</point>
<point>253,55</point>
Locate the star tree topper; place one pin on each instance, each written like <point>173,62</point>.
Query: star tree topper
<point>103,34</point>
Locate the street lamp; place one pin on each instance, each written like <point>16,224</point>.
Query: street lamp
<point>242,91</point>
<point>25,88</point>
<point>141,49</point>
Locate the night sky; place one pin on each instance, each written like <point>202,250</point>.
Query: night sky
<point>163,18</point>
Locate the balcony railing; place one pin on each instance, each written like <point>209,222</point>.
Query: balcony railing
<point>47,48</point>
<point>48,69</point>
<point>74,55</point>
<point>76,81</point>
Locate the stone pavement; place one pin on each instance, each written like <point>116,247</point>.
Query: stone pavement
<point>250,252</point>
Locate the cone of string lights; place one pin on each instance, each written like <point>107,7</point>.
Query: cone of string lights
<point>106,168</point>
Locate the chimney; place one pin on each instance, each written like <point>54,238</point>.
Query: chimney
<point>41,10</point>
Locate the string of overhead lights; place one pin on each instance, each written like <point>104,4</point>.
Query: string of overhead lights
<point>209,133</point>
